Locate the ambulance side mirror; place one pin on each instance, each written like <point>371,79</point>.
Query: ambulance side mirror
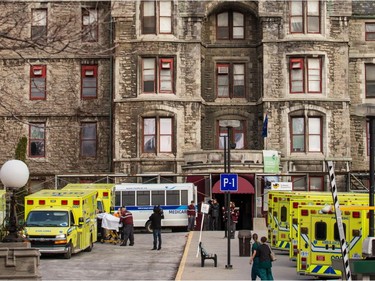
<point>80,221</point>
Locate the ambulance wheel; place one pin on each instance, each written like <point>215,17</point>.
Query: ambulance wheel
<point>89,248</point>
<point>68,254</point>
<point>148,227</point>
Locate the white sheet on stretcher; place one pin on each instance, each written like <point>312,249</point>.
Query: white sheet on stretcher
<point>109,221</point>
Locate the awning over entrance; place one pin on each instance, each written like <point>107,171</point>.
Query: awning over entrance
<point>244,187</point>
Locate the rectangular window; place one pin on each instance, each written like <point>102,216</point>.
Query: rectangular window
<point>161,68</point>
<point>166,75</point>
<point>143,198</point>
<point>39,25</point>
<point>173,197</point>
<point>315,134</point>
<point>89,25</point>
<point>299,183</point>
<point>88,139</point>
<point>298,134</point>
<point>37,139</point>
<point>312,131</point>
<point>305,73</point>
<point>38,76</point>
<point>305,16</point>
<point>237,136</point>
<point>230,79</point>
<point>127,198</point>
<point>370,31</point>
<point>316,183</point>
<point>157,198</point>
<point>89,75</point>
<point>156,14</point>
<point>370,80</point>
<point>165,20</point>
<point>157,135</point>
<point>321,231</point>
<point>230,26</point>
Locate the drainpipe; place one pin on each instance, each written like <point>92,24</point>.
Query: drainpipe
<point>110,154</point>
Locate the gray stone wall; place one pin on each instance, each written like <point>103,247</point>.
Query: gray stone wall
<point>63,110</point>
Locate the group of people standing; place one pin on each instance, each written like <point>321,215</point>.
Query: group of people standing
<point>127,226</point>
<point>213,218</point>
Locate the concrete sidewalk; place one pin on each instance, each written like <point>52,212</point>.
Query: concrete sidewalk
<point>214,242</point>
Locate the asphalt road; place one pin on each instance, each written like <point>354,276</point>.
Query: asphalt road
<point>139,262</point>
<point>113,262</point>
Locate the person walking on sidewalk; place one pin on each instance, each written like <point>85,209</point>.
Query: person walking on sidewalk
<point>155,219</point>
<point>128,227</point>
<point>191,213</point>
<point>265,262</point>
<point>254,258</point>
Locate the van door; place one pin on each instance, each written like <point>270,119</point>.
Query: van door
<point>325,245</point>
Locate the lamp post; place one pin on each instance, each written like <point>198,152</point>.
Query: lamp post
<point>14,174</point>
<point>229,124</point>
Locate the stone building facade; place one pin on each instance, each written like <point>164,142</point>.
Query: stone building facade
<point>170,73</point>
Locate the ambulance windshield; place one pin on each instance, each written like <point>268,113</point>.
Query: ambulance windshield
<point>47,218</point>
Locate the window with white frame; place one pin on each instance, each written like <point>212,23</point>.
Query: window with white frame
<point>38,75</point>
<point>89,25</point>
<point>157,135</point>
<point>305,75</point>
<point>305,16</point>
<point>230,79</point>
<point>306,134</point>
<point>156,17</point>
<point>230,25</point>
<point>157,75</point>
<point>37,139</point>
<point>88,139</point>
<point>370,80</point>
<point>237,136</point>
<point>39,25</point>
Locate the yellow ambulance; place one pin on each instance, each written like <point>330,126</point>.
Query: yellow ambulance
<point>345,199</point>
<point>61,221</point>
<point>280,223</point>
<point>106,194</point>
<point>278,215</point>
<point>319,241</point>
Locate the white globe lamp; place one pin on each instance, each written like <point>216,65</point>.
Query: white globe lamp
<point>14,174</point>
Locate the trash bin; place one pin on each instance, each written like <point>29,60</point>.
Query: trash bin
<point>244,241</point>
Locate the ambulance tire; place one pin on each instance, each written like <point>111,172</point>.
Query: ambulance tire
<point>68,254</point>
<point>89,248</point>
<point>148,227</point>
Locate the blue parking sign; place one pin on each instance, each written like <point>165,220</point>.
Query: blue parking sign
<point>228,182</point>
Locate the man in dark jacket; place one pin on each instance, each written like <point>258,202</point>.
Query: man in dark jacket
<point>155,219</point>
<point>126,218</point>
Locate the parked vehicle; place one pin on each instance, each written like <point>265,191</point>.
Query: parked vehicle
<point>61,221</point>
<point>173,198</point>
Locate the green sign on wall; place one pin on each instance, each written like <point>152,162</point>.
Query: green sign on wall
<point>271,161</point>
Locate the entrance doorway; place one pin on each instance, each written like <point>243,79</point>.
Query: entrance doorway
<point>244,202</point>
